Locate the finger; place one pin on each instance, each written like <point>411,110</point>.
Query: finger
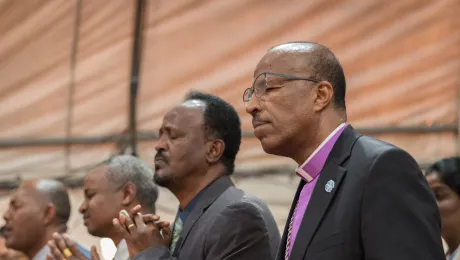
<point>127,220</point>
<point>117,225</point>
<point>163,224</point>
<point>150,218</point>
<point>94,254</point>
<point>136,209</point>
<point>122,219</point>
<point>73,248</point>
<point>55,250</point>
<point>166,230</point>
<point>139,221</point>
<point>59,242</point>
<point>49,257</point>
<point>121,229</point>
<point>166,234</point>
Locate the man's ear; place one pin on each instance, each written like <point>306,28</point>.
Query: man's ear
<point>215,150</point>
<point>129,193</point>
<point>49,214</point>
<point>324,95</point>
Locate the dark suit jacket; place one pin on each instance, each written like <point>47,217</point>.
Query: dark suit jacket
<point>226,223</point>
<point>380,207</point>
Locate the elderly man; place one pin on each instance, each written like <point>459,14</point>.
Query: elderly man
<point>199,140</point>
<point>124,182</point>
<point>37,210</point>
<point>358,197</point>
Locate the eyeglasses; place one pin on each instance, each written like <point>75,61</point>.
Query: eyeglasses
<point>269,80</point>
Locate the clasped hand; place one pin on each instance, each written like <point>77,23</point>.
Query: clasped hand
<point>144,232</point>
<point>141,233</point>
<point>62,247</point>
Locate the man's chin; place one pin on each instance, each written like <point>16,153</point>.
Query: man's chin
<point>270,145</point>
<point>161,179</point>
<point>95,231</point>
<point>10,243</point>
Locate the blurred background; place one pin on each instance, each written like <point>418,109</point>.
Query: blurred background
<point>83,80</point>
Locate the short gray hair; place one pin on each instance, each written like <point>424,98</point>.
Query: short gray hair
<point>56,193</point>
<point>125,169</point>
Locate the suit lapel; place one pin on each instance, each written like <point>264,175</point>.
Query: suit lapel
<point>322,197</point>
<point>282,247</point>
<point>206,198</point>
<point>317,207</point>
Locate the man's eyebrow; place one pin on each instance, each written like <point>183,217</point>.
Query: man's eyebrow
<point>168,128</point>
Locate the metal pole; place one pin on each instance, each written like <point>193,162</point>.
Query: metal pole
<point>73,64</point>
<point>238,174</point>
<point>149,136</point>
<point>135,71</point>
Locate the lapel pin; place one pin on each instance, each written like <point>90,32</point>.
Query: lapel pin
<point>329,185</point>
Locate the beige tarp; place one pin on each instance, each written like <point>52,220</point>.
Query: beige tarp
<point>401,58</point>
<point>402,61</point>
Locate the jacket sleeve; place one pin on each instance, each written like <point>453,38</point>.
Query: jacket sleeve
<point>400,218</point>
<point>239,233</point>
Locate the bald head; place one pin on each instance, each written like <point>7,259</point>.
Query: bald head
<point>53,192</point>
<point>320,62</point>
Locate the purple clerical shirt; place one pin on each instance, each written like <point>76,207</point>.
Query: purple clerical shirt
<point>309,171</point>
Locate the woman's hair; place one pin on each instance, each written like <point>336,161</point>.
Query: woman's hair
<point>448,170</point>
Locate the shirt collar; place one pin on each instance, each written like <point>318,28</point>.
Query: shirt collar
<point>41,255</point>
<point>122,252</point>
<point>312,167</point>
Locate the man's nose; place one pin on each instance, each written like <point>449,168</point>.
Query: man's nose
<point>252,106</point>
<point>161,144</point>
<point>6,215</point>
<point>82,208</point>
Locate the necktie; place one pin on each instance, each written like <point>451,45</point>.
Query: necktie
<point>288,239</point>
<point>176,233</point>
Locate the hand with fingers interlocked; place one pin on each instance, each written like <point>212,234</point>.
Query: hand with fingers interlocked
<point>62,247</point>
<point>142,231</point>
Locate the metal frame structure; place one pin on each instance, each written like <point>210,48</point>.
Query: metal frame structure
<point>133,138</point>
<point>139,20</point>
<point>130,137</point>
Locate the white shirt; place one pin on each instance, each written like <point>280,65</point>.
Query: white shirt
<point>41,255</point>
<point>122,251</point>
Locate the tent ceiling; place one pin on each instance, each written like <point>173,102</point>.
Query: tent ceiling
<point>401,60</point>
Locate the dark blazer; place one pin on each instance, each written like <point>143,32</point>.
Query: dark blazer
<point>226,223</point>
<point>380,208</point>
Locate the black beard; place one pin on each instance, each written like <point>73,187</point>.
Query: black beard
<point>163,181</point>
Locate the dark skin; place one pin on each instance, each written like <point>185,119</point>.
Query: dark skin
<point>60,242</point>
<point>7,253</point>
<point>449,209</point>
<point>294,116</point>
<point>30,220</point>
<point>142,231</point>
<point>186,162</point>
<point>97,213</point>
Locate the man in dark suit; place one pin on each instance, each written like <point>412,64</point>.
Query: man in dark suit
<point>196,150</point>
<point>358,197</point>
